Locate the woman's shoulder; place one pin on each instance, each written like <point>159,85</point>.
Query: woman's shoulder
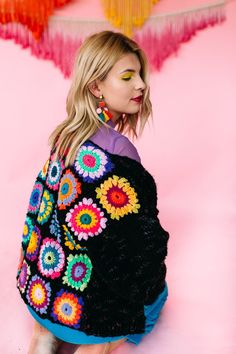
<point>115,143</point>
<point>124,147</point>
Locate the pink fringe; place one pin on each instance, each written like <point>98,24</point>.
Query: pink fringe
<point>55,48</point>
<point>160,47</point>
<point>61,48</point>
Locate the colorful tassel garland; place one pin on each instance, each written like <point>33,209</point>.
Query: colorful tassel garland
<point>160,37</point>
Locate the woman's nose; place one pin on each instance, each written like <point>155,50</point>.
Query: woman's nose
<point>140,84</point>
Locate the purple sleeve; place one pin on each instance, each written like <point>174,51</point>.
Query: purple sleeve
<point>124,147</point>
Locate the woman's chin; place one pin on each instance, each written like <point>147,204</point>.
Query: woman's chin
<point>133,110</point>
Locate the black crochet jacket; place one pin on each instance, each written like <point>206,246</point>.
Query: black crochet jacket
<point>93,247</point>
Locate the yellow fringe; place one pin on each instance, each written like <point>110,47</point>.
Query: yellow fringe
<point>127,14</point>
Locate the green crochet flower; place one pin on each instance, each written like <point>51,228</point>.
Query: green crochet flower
<point>78,271</point>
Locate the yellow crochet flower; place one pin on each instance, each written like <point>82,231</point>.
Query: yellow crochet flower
<point>46,207</point>
<point>118,197</point>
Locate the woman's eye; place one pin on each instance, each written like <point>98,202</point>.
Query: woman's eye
<point>126,77</point>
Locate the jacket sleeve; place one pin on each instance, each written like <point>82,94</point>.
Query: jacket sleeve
<point>131,259</point>
<point>31,214</point>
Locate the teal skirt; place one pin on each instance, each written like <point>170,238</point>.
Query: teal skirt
<point>75,336</point>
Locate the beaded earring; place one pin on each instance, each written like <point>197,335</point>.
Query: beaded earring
<point>102,110</point>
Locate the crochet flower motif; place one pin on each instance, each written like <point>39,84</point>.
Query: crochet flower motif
<point>54,174</point>
<point>35,198</point>
<point>51,258</point>
<point>46,207</point>
<point>55,226</point>
<point>44,170</point>
<point>70,242</point>
<point>78,271</point>
<point>67,309</point>
<point>118,197</point>
<point>27,230</point>
<point>86,219</point>
<point>23,276</point>
<point>34,243</point>
<point>68,190</point>
<point>91,163</point>
<point>38,294</point>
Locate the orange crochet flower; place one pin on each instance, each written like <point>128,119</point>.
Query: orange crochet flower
<point>67,309</point>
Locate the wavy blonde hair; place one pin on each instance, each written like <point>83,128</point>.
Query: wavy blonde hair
<point>94,59</point>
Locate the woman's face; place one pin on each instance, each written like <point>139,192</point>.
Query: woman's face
<point>123,87</point>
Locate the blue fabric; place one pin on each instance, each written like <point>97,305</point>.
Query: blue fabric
<point>75,336</point>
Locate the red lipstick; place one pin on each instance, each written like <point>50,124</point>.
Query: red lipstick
<point>137,99</point>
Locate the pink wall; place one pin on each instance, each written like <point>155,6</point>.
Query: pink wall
<point>190,149</point>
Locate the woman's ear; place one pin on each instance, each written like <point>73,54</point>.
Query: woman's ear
<point>94,89</point>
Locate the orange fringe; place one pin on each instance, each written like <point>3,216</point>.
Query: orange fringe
<point>31,13</point>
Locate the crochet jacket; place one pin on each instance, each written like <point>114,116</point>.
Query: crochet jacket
<point>93,247</point>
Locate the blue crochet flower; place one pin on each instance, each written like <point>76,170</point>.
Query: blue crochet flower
<point>55,226</point>
<point>35,197</point>
<point>54,174</point>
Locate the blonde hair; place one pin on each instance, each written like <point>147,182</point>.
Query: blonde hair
<point>94,59</point>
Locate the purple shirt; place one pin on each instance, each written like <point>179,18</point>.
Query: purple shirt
<point>114,142</point>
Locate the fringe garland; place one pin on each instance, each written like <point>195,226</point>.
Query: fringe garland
<point>176,28</point>
<point>33,14</point>
<point>127,14</point>
<point>160,37</point>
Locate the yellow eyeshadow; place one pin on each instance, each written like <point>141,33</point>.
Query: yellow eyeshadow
<point>127,76</point>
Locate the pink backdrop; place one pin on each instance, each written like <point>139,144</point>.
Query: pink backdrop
<point>190,150</point>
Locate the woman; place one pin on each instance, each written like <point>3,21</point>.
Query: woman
<point>92,269</point>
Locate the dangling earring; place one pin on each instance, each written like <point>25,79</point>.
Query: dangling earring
<point>102,110</point>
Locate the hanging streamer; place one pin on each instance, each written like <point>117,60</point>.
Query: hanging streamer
<point>160,36</point>
<point>173,29</point>
<point>33,14</point>
<point>128,14</point>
